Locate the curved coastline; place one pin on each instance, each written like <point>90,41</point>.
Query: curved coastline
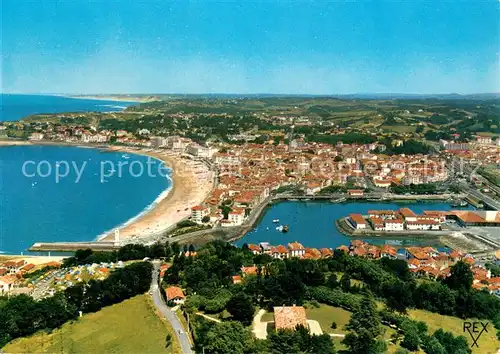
<point>172,204</point>
<point>164,194</point>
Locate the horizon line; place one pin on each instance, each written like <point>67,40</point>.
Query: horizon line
<point>249,94</point>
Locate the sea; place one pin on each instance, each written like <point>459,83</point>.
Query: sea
<point>52,193</point>
<point>312,223</point>
<point>15,107</point>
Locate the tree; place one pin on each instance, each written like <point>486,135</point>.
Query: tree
<point>300,341</point>
<point>398,295</point>
<point>205,219</point>
<point>345,282</point>
<point>411,340</point>
<point>432,346</point>
<point>241,308</point>
<point>363,342</point>
<point>333,325</point>
<point>226,337</point>
<point>461,277</point>
<point>168,341</point>
<point>332,281</point>
<point>321,344</point>
<point>364,327</point>
<point>366,317</point>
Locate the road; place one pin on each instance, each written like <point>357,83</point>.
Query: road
<point>484,198</point>
<point>167,313</point>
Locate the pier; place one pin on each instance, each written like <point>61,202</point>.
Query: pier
<point>73,246</point>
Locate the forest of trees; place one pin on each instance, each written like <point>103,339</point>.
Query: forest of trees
<point>207,278</point>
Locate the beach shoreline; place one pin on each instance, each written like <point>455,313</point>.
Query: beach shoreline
<point>189,187</point>
<point>34,259</point>
<point>186,191</point>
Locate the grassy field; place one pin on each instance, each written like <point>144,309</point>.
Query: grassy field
<point>488,343</point>
<point>325,315</point>
<point>128,327</point>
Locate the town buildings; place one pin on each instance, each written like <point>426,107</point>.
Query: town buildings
<point>398,220</point>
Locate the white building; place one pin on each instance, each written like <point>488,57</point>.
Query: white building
<point>408,214</point>
<point>295,249</point>
<point>483,139</point>
<point>96,138</point>
<point>158,141</point>
<point>177,143</point>
<point>201,151</point>
<point>381,182</point>
<point>198,213</point>
<point>36,136</point>
<point>423,225</point>
<point>357,221</point>
<point>394,225</point>
<point>7,282</point>
<point>236,216</point>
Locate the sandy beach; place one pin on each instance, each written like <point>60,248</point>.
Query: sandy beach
<point>14,142</point>
<point>36,260</point>
<point>111,98</point>
<point>192,183</point>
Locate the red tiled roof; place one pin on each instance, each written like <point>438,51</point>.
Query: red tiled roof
<point>295,246</point>
<point>174,292</point>
<point>279,249</point>
<point>8,279</point>
<point>289,317</point>
<point>407,212</point>
<point>343,248</point>
<point>253,247</point>
<point>358,219</point>
<point>326,252</point>
<point>388,250</point>
<point>249,270</point>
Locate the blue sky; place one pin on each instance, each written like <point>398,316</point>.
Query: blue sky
<point>246,46</point>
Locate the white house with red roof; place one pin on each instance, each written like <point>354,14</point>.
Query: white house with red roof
<point>295,249</point>
<point>394,225</point>
<point>236,216</point>
<point>357,221</point>
<point>198,212</point>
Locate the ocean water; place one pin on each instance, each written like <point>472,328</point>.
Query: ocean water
<point>37,206</point>
<point>14,107</point>
<point>313,223</point>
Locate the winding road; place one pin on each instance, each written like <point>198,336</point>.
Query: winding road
<point>167,313</point>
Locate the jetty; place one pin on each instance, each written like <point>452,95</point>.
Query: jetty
<point>73,246</point>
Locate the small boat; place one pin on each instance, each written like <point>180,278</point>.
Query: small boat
<point>458,203</point>
<point>282,228</point>
<point>125,156</point>
<point>276,221</point>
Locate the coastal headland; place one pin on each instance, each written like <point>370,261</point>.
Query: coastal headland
<point>118,98</point>
<point>189,187</point>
